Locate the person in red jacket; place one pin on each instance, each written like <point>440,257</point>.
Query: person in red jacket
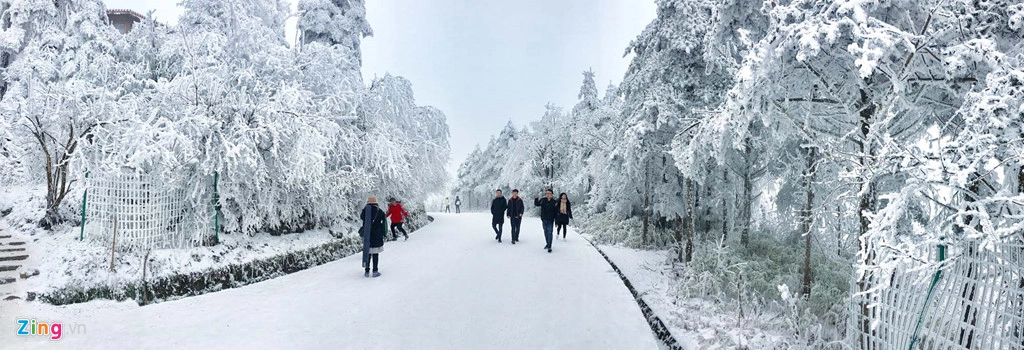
<point>397,214</point>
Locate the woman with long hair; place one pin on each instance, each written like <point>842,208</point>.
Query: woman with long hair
<point>373,232</point>
<point>563,215</point>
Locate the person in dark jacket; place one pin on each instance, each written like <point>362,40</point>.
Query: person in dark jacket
<point>397,213</point>
<point>515,214</point>
<point>563,215</point>
<point>498,206</point>
<point>458,205</point>
<point>547,214</point>
<point>372,232</point>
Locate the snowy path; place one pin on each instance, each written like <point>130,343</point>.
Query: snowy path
<point>451,286</point>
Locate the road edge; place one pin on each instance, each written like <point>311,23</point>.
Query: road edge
<point>657,326</point>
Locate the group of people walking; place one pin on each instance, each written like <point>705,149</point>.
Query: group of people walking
<point>553,213</point>
<point>373,230</point>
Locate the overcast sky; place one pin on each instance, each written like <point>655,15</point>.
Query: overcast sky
<point>485,62</point>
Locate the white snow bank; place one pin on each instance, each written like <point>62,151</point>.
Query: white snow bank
<point>697,323</point>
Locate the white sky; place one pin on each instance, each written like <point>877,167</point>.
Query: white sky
<point>485,62</point>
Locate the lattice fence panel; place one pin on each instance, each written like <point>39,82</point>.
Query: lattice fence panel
<point>150,214</point>
<point>976,303</point>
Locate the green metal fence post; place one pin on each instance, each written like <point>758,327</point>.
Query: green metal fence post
<point>924,308</point>
<point>85,196</point>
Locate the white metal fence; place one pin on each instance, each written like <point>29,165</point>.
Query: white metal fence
<point>975,301</point>
<point>149,213</point>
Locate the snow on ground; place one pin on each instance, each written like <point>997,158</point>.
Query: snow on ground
<point>65,261</point>
<point>696,323</point>
<point>451,286</point>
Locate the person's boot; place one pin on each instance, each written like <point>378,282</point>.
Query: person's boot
<point>549,249</point>
<point>376,274</point>
<point>367,273</point>
<point>407,237</point>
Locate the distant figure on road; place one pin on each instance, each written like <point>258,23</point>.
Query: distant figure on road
<point>498,206</point>
<point>515,214</point>
<point>372,232</point>
<point>397,214</point>
<point>547,214</point>
<point>458,203</point>
<point>447,205</point>
<point>563,215</point>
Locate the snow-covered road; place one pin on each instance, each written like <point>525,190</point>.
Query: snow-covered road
<point>451,286</point>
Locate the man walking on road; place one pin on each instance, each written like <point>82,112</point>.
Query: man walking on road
<point>458,203</point>
<point>515,214</point>
<point>447,205</point>
<point>548,208</point>
<point>498,206</point>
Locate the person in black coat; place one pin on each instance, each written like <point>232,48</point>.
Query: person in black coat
<point>515,214</point>
<point>547,215</point>
<point>498,206</point>
<point>562,215</point>
<point>372,233</point>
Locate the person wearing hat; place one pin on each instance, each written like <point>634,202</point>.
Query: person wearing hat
<point>515,214</point>
<point>372,232</point>
<point>498,206</point>
<point>397,213</point>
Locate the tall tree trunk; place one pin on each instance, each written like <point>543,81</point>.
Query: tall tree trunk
<point>1020,179</point>
<point>689,219</point>
<point>696,208</point>
<point>707,208</point>
<point>805,217</point>
<point>57,161</point>
<point>5,61</point>
<point>866,204</point>
<point>839,233</point>
<point>746,205</point>
<point>5,57</point>
<point>647,204</point>
<point>725,210</point>
<point>867,280</point>
<point>679,238</point>
<point>748,192</point>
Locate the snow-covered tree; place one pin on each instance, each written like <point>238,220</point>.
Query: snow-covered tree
<point>666,89</point>
<point>335,23</point>
<point>58,69</point>
<point>406,145</point>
